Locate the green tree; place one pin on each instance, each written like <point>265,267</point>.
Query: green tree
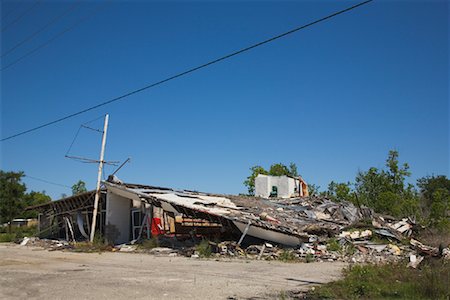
<point>79,187</point>
<point>370,184</point>
<point>313,189</point>
<point>435,200</point>
<point>250,181</point>
<point>293,170</point>
<point>340,192</point>
<point>396,173</point>
<point>11,196</point>
<point>385,190</point>
<point>440,208</point>
<point>429,185</point>
<point>32,199</point>
<point>278,170</point>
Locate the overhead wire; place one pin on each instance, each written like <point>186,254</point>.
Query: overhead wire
<point>72,7</point>
<point>189,70</point>
<point>73,141</point>
<point>58,35</point>
<point>47,181</point>
<point>36,4</point>
<point>83,159</point>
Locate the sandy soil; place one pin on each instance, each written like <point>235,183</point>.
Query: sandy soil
<point>34,273</point>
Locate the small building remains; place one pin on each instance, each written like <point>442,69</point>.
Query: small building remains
<point>267,186</point>
<point>130,212</point>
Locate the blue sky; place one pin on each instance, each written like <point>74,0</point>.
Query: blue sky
<point>333,98</point>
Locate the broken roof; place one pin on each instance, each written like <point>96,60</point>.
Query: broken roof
<point>286,221</point>
<point>67,205</point>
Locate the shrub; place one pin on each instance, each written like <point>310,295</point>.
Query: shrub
<point>204,249</point>
<point>286,255</point>
<point>309,258</point>
<point>390,281</point>
<point>333,245</point>
<point>151,243</point>
<point>6,237</point>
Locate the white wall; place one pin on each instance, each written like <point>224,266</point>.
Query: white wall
<point>262,186</point>
<point>286,186</point>
<point>118,217</point>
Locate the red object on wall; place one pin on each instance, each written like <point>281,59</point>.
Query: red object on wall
<point>156,227</point>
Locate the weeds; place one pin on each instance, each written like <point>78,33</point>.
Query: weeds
<point>150,244</point>
<point>286,256</point>
<point>204,249</point>
<point>309,258</point>
<point>333,245</point>
<point>99,244</point>
<point>6,237</point>
<point>17,233</point>
<point>390,281</point>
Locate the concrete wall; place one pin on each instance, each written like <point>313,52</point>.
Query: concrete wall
<point>262,186</point>
<point>117,218</point>
<point>287,186</point>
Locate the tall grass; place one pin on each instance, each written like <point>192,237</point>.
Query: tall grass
<point>390,281</point>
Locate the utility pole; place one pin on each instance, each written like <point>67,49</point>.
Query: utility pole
<point>99,178</point>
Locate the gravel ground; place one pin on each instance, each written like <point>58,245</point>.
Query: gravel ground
<point>35,273</point>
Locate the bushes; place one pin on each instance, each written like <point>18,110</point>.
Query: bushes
<point>390,281</point>
<point>286,255</point>
<point>16,233</point>
<point>204,249</point>
<point>6,237</point>
<point>150,244</point>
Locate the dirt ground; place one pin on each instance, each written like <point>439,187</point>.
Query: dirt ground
<point>35,273</point>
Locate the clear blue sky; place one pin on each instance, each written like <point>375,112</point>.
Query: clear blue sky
<point>333,98</point>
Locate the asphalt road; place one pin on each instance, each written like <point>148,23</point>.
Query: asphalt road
<point>35,273</point>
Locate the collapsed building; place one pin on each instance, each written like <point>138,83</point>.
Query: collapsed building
<point>129,212</point>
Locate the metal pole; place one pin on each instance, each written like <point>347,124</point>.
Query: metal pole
<point>99,178</point>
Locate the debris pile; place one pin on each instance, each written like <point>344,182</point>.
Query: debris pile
<point>300,216</point>
<point>48,244</point>
<point>315,229</point>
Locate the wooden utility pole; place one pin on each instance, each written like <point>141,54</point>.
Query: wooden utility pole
<point>99,178</point>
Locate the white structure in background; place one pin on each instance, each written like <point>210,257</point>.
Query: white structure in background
<point>267,186</point>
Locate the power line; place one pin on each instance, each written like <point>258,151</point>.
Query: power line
<point>61,33</point>
<point>49,182</point>
<point>189,71</point>
<point>53,21</point>
<point>36,4</point>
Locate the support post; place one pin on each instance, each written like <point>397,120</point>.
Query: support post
<point>99,178</point>
<point>244,233</point>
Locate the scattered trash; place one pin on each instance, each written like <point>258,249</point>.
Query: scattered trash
<point>162,251</point>
<point>48,244</point>
<point>423,249</point>
<point>414,261</point>
<point>354,235</point>
<point>394,249</point>
<point>24,241</point>
<point>127,248</point>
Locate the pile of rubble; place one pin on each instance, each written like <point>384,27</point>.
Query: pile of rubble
<point>384,240</point>
<point>48,244</point>
<point>299,217</point>
<point>326,231</point>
